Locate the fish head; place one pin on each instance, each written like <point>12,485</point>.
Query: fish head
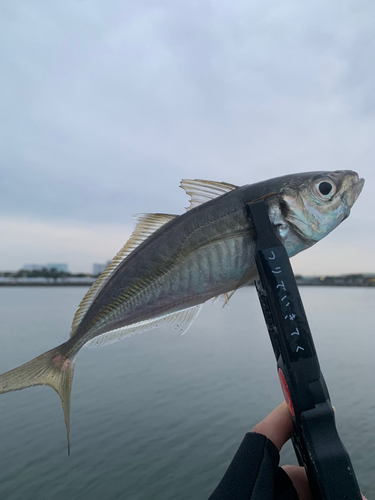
<point>318,205</point>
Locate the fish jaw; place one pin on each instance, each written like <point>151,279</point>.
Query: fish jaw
<point>352,193</point>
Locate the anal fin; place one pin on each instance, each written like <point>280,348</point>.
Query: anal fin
<point>181,320</point>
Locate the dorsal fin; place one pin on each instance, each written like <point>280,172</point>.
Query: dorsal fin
<point>201,191</point>
<point>146,225</point>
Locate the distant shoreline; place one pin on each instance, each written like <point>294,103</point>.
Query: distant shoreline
<point>12,285</point>
<point>300,282</point>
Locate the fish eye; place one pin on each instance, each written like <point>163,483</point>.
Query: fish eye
<point>325,188</point>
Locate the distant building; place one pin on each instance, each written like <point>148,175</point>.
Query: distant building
<point>32,267</point>
<point>99,268</point>
<point>61,268</point>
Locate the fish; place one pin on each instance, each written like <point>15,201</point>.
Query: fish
<point>173,264</point>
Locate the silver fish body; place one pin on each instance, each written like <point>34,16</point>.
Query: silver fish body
<point>206,252</point>
<point>209,250</point>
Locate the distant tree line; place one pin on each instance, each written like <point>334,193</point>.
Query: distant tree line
<point>42,273</point>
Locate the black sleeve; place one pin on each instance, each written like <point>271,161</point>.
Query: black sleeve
<point>254,473</point>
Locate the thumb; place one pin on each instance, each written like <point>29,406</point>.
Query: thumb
<point>277,426</point>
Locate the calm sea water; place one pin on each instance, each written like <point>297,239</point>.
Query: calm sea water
<point>161,415</point>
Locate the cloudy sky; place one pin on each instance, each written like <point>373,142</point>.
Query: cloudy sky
<point>106,106</point>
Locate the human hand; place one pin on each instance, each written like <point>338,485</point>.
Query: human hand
<point>278,428</point>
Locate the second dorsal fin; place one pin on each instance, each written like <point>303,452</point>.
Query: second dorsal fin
<point>146,225</point>
<point>201,191</point>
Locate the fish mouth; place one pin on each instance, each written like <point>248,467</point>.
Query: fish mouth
<point>353,191</point>
<point>358,186</point>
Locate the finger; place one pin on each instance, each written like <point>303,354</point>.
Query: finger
<point>300,482</point>
<point>277,426</point>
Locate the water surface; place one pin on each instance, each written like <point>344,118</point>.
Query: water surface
<point>161,415</point>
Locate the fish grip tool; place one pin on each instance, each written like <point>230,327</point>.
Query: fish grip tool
<point>316,441</point>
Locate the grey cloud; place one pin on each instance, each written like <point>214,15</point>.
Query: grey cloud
<point>108,105</point>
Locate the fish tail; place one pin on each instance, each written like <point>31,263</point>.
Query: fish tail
<point>52,368</point>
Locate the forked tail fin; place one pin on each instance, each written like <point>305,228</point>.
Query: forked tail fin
<point>51,368</point>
